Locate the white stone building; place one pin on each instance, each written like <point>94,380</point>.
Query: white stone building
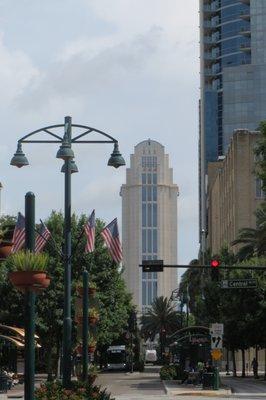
<point>149,223</point>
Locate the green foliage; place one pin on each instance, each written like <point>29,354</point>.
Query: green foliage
<point>7,226</point>
<point>260,152</point>
<point>113,301</point>
<point>93,313</point>
<point>253,241</point>
<point>167,372</point>
<point>242,311</point>
<point>27,261</point>
<point>78,391</point>
<point>160,317</point>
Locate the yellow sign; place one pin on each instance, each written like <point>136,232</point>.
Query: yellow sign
<point>216,354</point>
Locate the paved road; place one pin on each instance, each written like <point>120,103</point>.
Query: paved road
<point>136,386</point>
<point>246,387</point>
<point>147,386</point>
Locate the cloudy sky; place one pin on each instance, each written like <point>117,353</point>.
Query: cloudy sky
<point>127,67</point>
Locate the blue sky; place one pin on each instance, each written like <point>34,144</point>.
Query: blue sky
<point>127,67</point>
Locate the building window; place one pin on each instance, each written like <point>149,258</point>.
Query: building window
<point>144,242</point>
<point>260,194</point>
<point>144,193</point>
<point>149,228</point>
<point>154,215</point>
<point>144,215</point>
<point>154,189</point>
<point>143,179</point>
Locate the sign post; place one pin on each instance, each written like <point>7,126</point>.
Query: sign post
<point>216,332</point>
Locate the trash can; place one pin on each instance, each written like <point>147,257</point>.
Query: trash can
<point>207,380</point>
<point>216,379</point>
<point>3,384</point>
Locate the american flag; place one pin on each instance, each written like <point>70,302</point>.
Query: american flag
<point>42,238</point>
<point>110,235</point>
<point>90,233</point>
<point>19,234</point>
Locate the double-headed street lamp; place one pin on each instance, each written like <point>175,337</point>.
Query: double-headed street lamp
<point>66,153</point>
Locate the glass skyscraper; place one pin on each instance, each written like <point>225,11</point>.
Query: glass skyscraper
<point>233,75</point>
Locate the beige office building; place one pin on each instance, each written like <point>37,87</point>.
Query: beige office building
<point>234,192</point>
<point>149,223</point>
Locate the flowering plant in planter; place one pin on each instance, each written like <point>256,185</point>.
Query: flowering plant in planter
<point>92,289</point>
<point>93,315</point>
<point>92,344</point>
<point>28,270</point>
<point>92,374</point>
<point>6,244</point>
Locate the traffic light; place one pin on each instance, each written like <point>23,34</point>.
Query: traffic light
<point>215,263</point>
<point>152,265</point>
<point>215,269</point>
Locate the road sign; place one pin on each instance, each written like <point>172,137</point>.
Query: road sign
<point>239,283</point>
<point>216,354</point>
<point>217,342</point>
<point>216,332</point>
<point>152,265</point>
<point>217,329</point>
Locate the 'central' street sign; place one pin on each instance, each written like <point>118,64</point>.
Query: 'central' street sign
<point>239,283</point>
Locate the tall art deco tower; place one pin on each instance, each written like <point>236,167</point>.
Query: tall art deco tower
<point>149,223</point>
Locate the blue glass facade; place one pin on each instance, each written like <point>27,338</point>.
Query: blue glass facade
<point>226,43</point>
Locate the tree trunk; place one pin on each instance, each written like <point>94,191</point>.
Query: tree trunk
<point>161,346</point>
<point>234,363</point>
<point>243,363</point>
<point>49,363</point>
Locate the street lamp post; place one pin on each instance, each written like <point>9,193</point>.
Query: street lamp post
<point>66,153</point>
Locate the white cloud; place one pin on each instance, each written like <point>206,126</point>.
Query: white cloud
<point>136,78</point>
<point>17,73</point>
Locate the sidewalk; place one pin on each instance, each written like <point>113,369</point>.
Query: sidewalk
<point>173,388</point>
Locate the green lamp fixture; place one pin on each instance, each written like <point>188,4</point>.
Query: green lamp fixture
<point>116,160</point>
<point>73,167</point>
<point>19,159</point>
<point>65,152</point>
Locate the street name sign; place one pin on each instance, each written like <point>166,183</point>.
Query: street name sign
<point>239,283</point>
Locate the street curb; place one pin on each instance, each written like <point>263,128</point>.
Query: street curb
<point>206,393</point>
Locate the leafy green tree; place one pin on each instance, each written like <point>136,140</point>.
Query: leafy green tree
<point>114,302</point>
<point>243,312</point>
<point>160,319</point>
<point>260,152</point>
<point>253,240</point>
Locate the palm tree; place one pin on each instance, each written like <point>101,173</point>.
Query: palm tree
<point>160,319</point>
<point>253,239</point>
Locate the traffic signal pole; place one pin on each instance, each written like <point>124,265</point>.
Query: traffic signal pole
<point>156,268</point>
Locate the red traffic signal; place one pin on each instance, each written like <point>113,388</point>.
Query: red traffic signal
<point>215,263</point>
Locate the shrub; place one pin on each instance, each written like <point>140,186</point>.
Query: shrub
<point>179,372</point>
<point>78,391</point>
<point>167,372</point>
